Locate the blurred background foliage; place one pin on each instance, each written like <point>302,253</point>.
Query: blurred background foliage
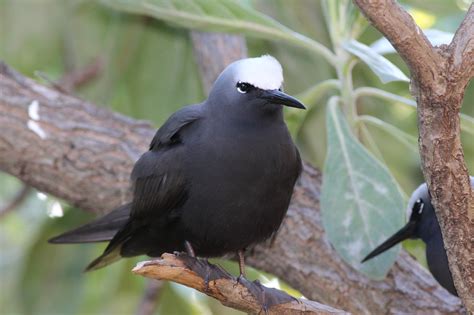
<point>148,71</point>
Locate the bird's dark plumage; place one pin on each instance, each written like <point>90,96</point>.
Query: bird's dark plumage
<point>219,174</point>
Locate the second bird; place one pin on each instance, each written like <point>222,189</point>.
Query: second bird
<point>218,176</point>
<point>423,224</point>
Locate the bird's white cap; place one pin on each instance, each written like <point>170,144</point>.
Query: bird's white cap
<point>263,72</point>
<point>422,192</point>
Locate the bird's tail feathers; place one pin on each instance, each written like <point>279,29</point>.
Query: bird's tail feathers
<point>112,252</point>
<point>100,230</point>
<point>104,260</point>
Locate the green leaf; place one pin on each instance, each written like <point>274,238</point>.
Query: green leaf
<point>219,16</point>
<point>408,140</point>
<point>467,123</point>
<point>361,203</point>
<point>436,37</point>
<point>384,69</point>
<point>367,140</point>
<point>343,19</point>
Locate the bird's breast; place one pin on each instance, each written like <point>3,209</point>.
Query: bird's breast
<point>241,186</point>
<point>237,156</point>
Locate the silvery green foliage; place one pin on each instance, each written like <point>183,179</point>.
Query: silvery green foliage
<point>361,203</point>
<point>436,37</point>
<point>382,67</point>
<point>208,15</point>
<point>219,16</point>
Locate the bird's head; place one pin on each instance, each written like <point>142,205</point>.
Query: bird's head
<point>422,221</point>
<point>252,85</point>
<point>420,213</point>
<point>419,205</point>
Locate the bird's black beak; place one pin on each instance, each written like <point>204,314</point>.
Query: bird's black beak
<point>404,233</point>
<point>278,97</point>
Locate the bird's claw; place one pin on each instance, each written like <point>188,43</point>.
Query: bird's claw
<point>240,280</point>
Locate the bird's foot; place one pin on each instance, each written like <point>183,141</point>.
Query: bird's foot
<point>240,280</point>
<point>240,255</point>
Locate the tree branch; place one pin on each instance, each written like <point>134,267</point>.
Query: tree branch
<point>401,30</point>
<point>217,283</point>
<point>86,157</point>
<point>64,145</point>
<point>439,79</point>
<point>462,49</point>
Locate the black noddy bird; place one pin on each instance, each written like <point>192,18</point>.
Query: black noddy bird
<point>218,176</point>
<point>423,225</point>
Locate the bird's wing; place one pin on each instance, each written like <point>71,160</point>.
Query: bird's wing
<point>160,184</point>
<point>168,134</point>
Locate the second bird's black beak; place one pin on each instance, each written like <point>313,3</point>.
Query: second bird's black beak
<point>404,233</point>
<point>278,97</point>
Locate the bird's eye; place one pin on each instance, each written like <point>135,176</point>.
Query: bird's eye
<point>419,206</point>
<point>243,87</point>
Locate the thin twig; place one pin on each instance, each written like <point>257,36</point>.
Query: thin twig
<point>79,77</point>
<point>150,297</point>
<point>16,201</point>
<point>74,79</point>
